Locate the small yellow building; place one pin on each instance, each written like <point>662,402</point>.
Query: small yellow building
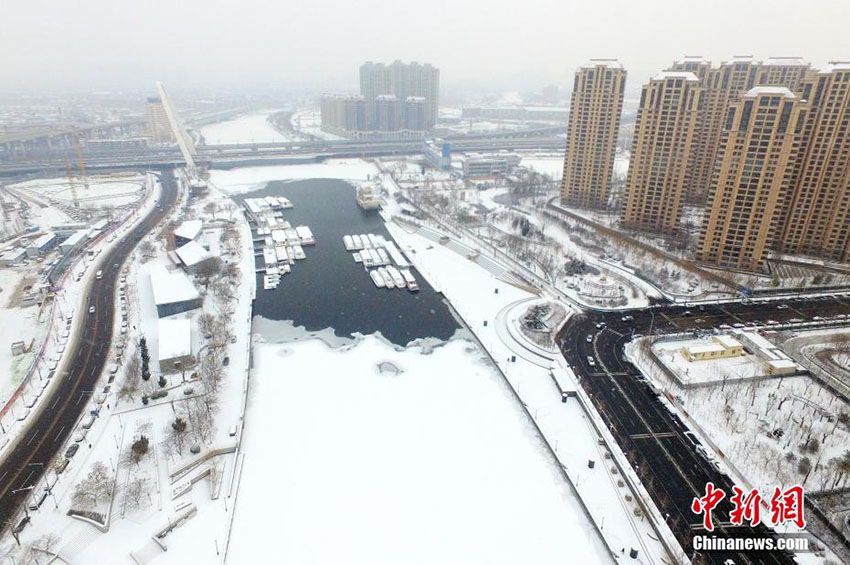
<point>723,346</point>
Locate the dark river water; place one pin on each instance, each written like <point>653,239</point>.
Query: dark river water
<point>328,289</point>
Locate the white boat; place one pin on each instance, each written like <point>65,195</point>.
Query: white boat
<point>305,236</point>
<point>281,254</point>
<point>299,252</point>
<point>367,258</point>
<point>348,242</point>
<point>408,278</point>
<point>377,279</point>
<point>397,278</point>
<point>373,239</point>
<point>376,259</point>
<point>272,270</point>
<point>367,243</point>
<point>357,257</point>
<point>388,280</point>
<point>286,269</point>
<point>358,243</point>
<point>396,255</point>
<point>385,259</point>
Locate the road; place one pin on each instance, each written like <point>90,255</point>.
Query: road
<point>652,437</point>
<point>46,435</point>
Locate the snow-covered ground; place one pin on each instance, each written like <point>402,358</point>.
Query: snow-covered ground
<point>434,464</point>
<point>104,191</point>
<point>765,428</point>
<point>549,165</point>
<point>238,181</point>
<point>254,127</point>
<point>745,366</point>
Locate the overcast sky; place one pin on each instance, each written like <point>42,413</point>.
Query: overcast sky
<point>520,45</point>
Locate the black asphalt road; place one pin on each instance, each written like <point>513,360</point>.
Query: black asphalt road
<point>652,437</point>
<point>25,465</point>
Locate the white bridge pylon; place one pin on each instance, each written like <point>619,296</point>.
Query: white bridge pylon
<point>184,142</point>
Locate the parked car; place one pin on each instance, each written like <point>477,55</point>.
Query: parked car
<point>72,450</point>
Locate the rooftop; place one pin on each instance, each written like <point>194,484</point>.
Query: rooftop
<point>664,75</point>
<point>175,338</point>
<point>192,253</point>
<point>171,286</point>
<point>783,91</point>
<point>607,63</point>
<point>786,62</point>
<point>189,229</point>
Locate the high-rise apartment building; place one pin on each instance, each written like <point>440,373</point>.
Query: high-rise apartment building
<point>594,123</point>
<point>402,81</point>
<point>159,127</point>
<point>723,86</point>
<point>388,113</point>
<point>665,133</point>
<point>783,71</point>
<point>817,216</point>
<point>753,177</point>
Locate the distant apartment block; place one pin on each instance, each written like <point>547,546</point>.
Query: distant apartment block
<point>592,130</point>
<point>395,101</point>
<point>402,81</point>
<point>665,134</point>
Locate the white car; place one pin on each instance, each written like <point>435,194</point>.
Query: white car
<point>91,310</point>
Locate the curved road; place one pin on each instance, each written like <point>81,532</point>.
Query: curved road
<point>25,465</point>
<point>651,436</point>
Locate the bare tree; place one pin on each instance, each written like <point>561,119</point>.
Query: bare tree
<point>212,371</point>
<point>95,487</point>
<point>137,488</point>
<point>211,208</point>
<point>130,385</point>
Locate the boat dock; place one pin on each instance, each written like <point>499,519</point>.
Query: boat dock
<point>279,243</point>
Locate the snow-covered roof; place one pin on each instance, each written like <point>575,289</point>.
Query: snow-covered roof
<point>607,63</point>
<point>786,62</point>
<point>76,238</point>
<point>727,341</point>
<point>43,239</point>
<point>782,363</point>
<point>189,229</point>
<point>192,253</point>
<point>12,254</point>
<point>837,66</point>
<point>171,286</point>
<point>711,348</point>
<point>175,338</point>
<point>693,59</point>
<point>757,340</point>
<point>685,75</point>
<point>742,59</point>
<point>783,91</point>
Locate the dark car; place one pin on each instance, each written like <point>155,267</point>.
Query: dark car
<point>72,450</point>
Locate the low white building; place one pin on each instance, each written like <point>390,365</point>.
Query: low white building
<point>190,230</point>
<point>42,245</point>
<point>175,345</point>
<point>74,241</point>
<point>173,291</point>
<point>192,255</point>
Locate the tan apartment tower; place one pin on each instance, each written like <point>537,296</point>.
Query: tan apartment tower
<point>752,178</point>
<point>594,123</point>
<point>723,85</point>
<point>817,219</point>
<point>661,150</point>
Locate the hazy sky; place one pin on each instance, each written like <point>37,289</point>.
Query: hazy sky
<point>507,45</point>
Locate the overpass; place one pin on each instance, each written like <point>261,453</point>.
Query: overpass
<point>286,152</point>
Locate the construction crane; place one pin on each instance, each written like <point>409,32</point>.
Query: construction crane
<point>70,172</point>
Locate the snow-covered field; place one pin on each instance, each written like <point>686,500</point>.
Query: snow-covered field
<point>745,366</point>
<point>435,464</point>
<point>243,129</point>
<point>237,181</point>
<point>103,191</point>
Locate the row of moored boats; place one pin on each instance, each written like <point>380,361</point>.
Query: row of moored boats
<point>392,268</point>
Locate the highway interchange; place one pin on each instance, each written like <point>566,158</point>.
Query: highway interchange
<point>23,467</point>
<point>651,436</point>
